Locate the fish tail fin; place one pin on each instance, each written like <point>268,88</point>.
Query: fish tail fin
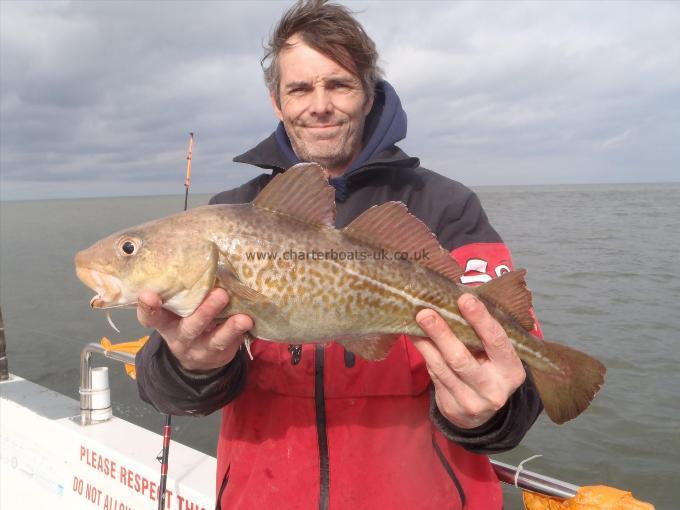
<point>567,393</point>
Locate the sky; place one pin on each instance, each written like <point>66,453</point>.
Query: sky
<point>98,98</point>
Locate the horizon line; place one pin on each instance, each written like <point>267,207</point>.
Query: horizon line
<point>473,187</point>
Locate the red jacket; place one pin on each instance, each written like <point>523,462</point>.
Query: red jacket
<point>383,451</point>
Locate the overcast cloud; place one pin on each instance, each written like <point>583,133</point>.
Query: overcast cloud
<point>98,98</point>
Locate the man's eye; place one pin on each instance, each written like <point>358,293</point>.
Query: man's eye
<point>343,87</point>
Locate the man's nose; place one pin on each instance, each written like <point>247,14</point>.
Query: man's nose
<point>322,102</point>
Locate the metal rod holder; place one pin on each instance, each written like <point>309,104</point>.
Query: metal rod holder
<point>89,414</point>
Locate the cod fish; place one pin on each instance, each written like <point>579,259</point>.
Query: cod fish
<point>284,263</point>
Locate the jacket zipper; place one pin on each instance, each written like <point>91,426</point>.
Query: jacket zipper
<point>449,470</point>
<point>295,351</point>
<point>320,404</point>
<point>225,481</point>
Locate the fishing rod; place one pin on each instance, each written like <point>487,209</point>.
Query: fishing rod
<point>187,180</point>
<point>167,427</point>
<point>4,371</point>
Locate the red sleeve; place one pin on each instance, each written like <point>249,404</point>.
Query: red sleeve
<point>484,261</point>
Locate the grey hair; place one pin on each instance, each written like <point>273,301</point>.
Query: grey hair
<point>330,29</point>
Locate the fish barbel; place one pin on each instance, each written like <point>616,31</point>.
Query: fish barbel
<point>301,280</point>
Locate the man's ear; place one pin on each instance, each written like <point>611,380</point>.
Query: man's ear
<point>275,105</point>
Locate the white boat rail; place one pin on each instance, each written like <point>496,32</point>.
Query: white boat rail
<point>534,482</point>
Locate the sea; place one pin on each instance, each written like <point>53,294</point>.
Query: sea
<point>603,264</point>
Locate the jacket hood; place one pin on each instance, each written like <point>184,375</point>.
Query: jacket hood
<point>385,126</point>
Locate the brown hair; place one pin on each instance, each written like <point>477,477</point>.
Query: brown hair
<point>331,30</point>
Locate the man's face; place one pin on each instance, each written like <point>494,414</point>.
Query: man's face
<point>323,107</point>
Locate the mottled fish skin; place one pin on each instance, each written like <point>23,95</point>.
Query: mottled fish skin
<point>317,301</point>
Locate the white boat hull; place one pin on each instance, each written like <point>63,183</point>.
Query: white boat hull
<point>49,461</point>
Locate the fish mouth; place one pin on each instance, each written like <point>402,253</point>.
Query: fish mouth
<point>107,287</point>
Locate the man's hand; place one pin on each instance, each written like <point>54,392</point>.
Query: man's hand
<point>196,342</point>
<point>469,389</point>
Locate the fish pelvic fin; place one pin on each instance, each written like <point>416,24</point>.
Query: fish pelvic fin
<point>301,192</point>
<point>510,293</point>
<point>391,226</point>
<point>370,347</point>
<point>569,392</point>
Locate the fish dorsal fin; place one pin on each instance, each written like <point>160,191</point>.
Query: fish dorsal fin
<point>392,227</point>
<point>301,192</point>
<point>510,293</point>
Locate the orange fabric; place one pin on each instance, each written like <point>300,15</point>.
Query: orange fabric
<point>129,347</point>
<point>595,497</point>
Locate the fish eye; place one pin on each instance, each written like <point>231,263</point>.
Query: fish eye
<point>128,246</point>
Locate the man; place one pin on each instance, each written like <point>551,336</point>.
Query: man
<point>313,426</point>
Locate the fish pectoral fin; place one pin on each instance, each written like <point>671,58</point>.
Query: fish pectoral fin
<point>370,347</point>
<point>510,293</point>
<point>227,279</point>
